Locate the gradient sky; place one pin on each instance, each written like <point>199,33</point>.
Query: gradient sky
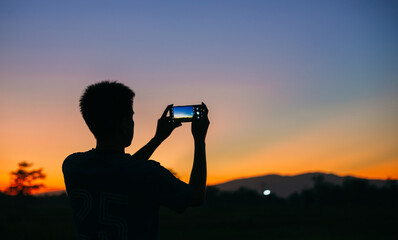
<point>291,86</point>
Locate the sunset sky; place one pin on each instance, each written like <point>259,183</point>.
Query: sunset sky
<point>291,86</point>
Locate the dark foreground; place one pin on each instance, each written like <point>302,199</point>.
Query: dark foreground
<point>51,218</point>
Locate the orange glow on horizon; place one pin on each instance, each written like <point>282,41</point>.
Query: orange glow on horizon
<point>387,171</point>
<point>353,141</point>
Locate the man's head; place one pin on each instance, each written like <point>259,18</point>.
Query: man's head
<point>107,108</point>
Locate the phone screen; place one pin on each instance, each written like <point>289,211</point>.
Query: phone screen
<point>183,112</point>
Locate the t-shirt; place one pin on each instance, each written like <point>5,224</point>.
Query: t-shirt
<point>116,196</point>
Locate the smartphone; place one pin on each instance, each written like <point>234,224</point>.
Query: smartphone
<point>186,113</point>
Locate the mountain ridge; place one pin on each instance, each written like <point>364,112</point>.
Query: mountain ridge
<point>285,185</point>
<point>280,185</point>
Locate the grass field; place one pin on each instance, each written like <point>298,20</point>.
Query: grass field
<point>255,222</point>
<point>51,218</point>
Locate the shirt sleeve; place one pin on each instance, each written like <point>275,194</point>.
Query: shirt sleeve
<point>170,191</point>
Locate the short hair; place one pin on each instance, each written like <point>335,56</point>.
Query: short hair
<point>103,106</point>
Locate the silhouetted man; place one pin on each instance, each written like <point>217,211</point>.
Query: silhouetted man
<point>115,195</point>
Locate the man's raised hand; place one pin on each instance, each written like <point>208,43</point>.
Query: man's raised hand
<point>199,126</point>
<point>165,125</point>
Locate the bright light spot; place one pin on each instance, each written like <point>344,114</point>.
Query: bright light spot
<point>267,192</point>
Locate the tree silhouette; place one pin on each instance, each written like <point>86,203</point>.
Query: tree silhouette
<point>22,180</point>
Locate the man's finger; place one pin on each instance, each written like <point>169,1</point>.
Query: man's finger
<point>166,110</point>
<point>167,119</point>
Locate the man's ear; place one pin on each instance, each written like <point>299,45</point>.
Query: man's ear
<point>127,131</point>
<point>127,126</point>
<point>124,124</point>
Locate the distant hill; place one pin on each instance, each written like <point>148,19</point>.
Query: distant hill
<point>283,186</point>
<point>280,185</point>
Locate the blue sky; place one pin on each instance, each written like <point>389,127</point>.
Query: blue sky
<point>269,71</point>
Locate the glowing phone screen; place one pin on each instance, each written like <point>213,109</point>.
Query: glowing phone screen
<point>183,112</point>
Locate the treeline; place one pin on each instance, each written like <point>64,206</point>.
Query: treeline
<point>353,192</point>
<point>31,200</point>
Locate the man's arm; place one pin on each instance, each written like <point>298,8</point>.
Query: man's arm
<point>146,151</point>
<point>164,129</point>
<point>199,168</point>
